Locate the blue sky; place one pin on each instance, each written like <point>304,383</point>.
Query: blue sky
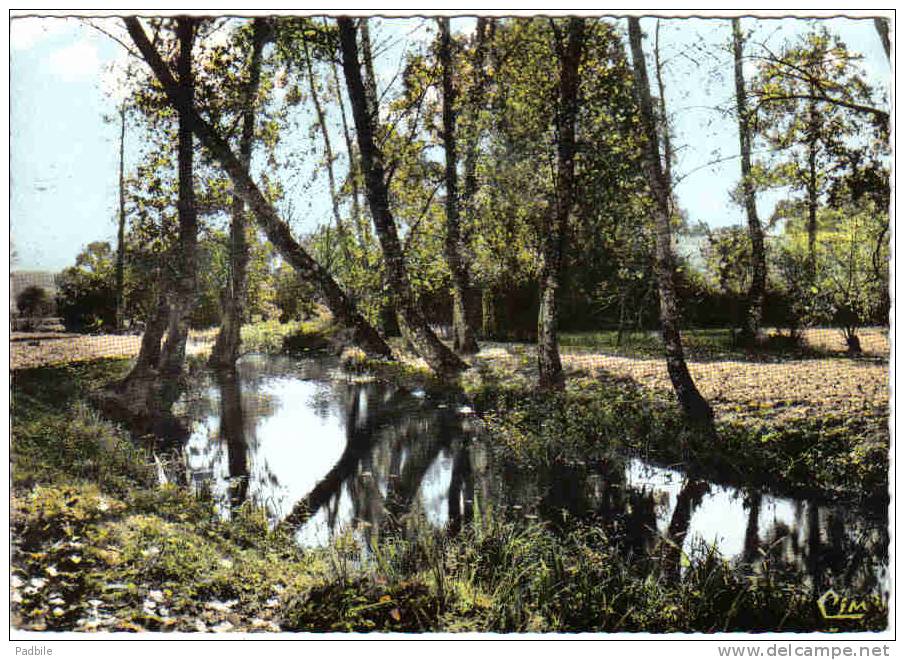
<point>64,156</point>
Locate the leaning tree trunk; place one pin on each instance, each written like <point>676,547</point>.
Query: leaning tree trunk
<point>226,348</point>
<point>438,356</point>
<point>755,303</point>
<point>693,404</point>
<point>463,335</point>
<point>277,231</point>
<point>172,355</point>
<point>882,27</point>
<point>548,361</point>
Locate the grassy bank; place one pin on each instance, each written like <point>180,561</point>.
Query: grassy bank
<point>833,455</point>
<point>98,545</point>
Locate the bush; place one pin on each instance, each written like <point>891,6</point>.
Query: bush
<point>87,296</point>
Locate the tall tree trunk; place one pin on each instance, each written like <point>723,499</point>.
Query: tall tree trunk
<point>548,362</point>
<point>354,173</point>
<point>277,231</point>
<point>226,348</point>
<point>463,335</point>
<point>121,229</point>
<point>488,312</point>
<point>184,292</point>
<point>664,118</point>
<point>484,32</point>
<point>328,155</point>
<point>438,356</point>
<point>693,404</point>
<point>755,303</point>
<point>813,128</point>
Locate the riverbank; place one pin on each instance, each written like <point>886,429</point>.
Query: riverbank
<point>99,545</point>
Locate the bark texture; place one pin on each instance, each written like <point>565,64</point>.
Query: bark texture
<point>548,361</point>
<point>693,404</point>
<point>438,356</point>
<point>121,228</point>
<point>755,303</point>
<point>184,292</point>
<point>226,348</point>
<point>144,397</point>
<point>277,231</point>
<point>463,335</point>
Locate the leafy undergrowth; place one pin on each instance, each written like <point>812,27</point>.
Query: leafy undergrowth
<point>297,337</point>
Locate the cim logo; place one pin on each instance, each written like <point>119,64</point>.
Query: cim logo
<point>837,606</point>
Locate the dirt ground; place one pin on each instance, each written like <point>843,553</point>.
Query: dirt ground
<point>35,349</point>
<point>778,390</point>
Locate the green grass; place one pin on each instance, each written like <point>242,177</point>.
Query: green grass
<point>699,344</point>
<point>834,455</point>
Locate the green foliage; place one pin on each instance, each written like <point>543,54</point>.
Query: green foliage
<point>86,297</point>
<point>850,286</point>
<point>33,301</point>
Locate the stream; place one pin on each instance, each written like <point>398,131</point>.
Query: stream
<point>329,454</point>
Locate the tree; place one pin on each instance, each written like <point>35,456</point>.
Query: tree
<point>797,118</point>
<point>33,302</point>
<point>277,231</point>
<point>86,292</point>
<point>151,387</point>
<point>693,404</point>
<point>121,226</point>
<point>226,347</point>
<point>463,335</point>
<point>364,104</point>
<point>755,303</point>
<point>184,291</point>
<point>569,52</point>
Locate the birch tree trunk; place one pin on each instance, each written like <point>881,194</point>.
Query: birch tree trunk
<point>275,228</point>
<point>693,404</point>
<point>548,361</point>
<point>463,335</point>
<point>438,356</point>
<point>226,348</point>
<point>755,303</point>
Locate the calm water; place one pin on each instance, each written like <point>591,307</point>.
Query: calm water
<point>327,455</point>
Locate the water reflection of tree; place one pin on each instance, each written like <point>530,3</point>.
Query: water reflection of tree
<point>828,547</point>
<point>688,499</point>
<point>460,497</point>
<point>232,432</point>
<point>361,431</point>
